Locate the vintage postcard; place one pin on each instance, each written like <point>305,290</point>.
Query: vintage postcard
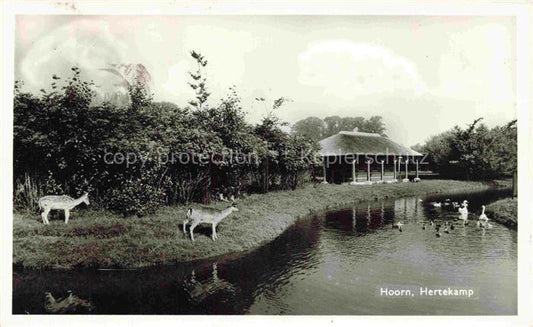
<point>205,161</point>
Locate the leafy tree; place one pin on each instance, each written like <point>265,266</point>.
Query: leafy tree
<point>476,152</point>
<point>311,127</point>
<point>199,81</point>
<point>438,149</point>
<point>284,159</point>
<point>317,129</point>
<point>350,123</point>
<point>333,125</point>
<point>374,125</point>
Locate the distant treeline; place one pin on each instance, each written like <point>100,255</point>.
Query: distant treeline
<point>473,153</point>
<point>317,129</point>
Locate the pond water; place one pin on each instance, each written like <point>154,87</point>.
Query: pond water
<point>334,263</point>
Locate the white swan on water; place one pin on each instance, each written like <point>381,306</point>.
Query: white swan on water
<point>463,211</point>
<point>483,216</point>
<point>486,225</point>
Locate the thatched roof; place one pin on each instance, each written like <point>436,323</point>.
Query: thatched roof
<point>346,142</point>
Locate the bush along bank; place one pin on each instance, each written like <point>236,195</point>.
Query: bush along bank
<point>102,239</point>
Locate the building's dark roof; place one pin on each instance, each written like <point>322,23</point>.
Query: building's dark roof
<point>362,143</point>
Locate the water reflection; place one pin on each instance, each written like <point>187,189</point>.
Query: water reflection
<point>198,291</point>
<point>68,304</point>
<point>224,286</point>
<point>330,263</point>
<point>366,218</point>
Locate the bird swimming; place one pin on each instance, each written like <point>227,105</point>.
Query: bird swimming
<point>463,211</point>
<point>483,216</point>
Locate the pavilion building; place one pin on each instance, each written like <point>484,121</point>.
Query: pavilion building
<point>365,158</point>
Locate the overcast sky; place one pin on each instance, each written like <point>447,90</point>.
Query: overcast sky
<point>422,74</point>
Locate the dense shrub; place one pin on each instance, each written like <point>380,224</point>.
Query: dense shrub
<point>476,152</point>
<point>67,142</point>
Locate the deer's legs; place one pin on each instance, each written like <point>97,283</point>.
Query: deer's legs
<point>214,232</point>
<point>185,222</point>
<point>44,215</point>
<point>67,215</point>
<point>193,226</point>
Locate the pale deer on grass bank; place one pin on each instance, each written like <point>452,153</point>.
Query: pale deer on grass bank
<point>60,202</point>
<point>208,216</point>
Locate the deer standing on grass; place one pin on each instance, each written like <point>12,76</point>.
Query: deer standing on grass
<point>209,216</point>
<point>60,202</point>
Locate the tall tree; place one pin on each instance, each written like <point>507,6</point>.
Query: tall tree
<point>375,125</point>
<point>333,125</point>
<point>476,152</point>
<point>317,129</point>
<point>312,127</point>
<point>199,81</point>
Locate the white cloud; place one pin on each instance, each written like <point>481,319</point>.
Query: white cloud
<point>348,70</point>
<point>88,44</point>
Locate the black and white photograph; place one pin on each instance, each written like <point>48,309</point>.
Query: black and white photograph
<point>266,164</point>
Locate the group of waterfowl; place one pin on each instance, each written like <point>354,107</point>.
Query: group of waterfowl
<point>446,228</point>
<point>448,202</point>
<point>462,210</point>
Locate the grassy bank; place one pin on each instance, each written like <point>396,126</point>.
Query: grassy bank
<point>101,239</point>
<point>504,211</point>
